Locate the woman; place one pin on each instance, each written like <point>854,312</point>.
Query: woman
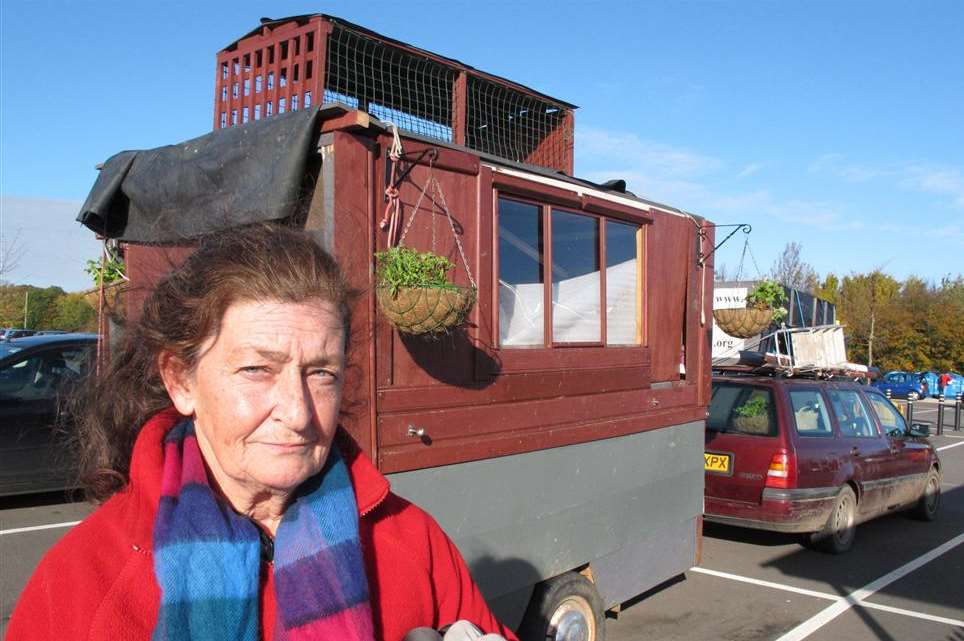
<point>235,508</point>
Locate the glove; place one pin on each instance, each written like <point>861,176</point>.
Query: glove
<point>458,631</point>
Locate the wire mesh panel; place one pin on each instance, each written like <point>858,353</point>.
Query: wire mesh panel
<point>510,124</point>
<point>292,63</point>
<point>392,84</point>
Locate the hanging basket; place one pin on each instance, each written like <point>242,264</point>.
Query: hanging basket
<point>743,322</point>
<point>426,310</point>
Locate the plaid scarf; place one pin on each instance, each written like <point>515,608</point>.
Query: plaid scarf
<point>207,557</point>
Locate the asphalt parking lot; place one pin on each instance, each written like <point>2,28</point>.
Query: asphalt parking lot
<point>904,580</point>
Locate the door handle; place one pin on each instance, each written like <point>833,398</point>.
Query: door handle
<point>854,451</point>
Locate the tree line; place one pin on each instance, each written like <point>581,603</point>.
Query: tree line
<point>908,325</point>
<point>37,308</point>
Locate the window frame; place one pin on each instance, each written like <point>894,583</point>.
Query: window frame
<point>749,389</point>
<point>551,355</point>
<point>873,408</point>
<point>831,416</point>
<point>868,410</point>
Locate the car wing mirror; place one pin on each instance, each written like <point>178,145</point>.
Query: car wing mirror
<point>920,429</point>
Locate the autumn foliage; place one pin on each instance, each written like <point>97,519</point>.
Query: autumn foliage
<point>911,325</point>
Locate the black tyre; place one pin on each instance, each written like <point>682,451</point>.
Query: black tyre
<point>929,504</point>
<point>837,536</point>
<point>564,608</point>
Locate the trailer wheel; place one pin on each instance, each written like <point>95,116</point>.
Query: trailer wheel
<point>564,608</point>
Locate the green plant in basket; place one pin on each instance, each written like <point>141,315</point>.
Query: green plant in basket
<point>768,294</point>
<point>404,267</point>
<point>756,406</point>
<point>415,294</point>
<point>753,416</point>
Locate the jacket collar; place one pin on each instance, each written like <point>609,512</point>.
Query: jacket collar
<point>147,463</point>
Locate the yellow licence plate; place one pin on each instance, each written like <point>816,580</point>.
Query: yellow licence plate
<point>716,462</point>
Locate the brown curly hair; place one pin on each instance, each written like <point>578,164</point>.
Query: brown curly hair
<point>256,263</point>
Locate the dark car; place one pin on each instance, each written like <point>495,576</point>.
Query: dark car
<point>12,332</point>
<point>37,373</point>
<point>813,457</point>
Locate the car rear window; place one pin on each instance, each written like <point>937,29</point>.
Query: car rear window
<point>742,409</point>
<point>810,414</point>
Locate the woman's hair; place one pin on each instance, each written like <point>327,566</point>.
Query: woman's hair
<point>256,263</point>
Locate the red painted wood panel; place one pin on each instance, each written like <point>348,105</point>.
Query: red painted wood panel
<point>515,387</point>
<point>418,455</point>
<point>669,246</point>
<point>353,219</point>
<point>146,266</point>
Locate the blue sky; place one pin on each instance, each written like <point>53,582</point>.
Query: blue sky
<point>837,125</point>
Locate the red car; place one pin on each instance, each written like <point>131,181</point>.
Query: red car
<point>814,457</point>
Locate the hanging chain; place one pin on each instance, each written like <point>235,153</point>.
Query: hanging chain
<point>418,203</point>
<point>739,268</point>
<point>759,274</point>
<point>436,187</point>
<point>458,243</point>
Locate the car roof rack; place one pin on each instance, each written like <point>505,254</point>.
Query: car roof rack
<point>799,352</point>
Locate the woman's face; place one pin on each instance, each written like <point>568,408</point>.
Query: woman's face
<point>266,393</point>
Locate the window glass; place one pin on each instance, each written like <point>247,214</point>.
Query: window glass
<point>742,409</point>
<point>521,274</point>
<point>890,419</point>
<point>852,414</point>
<point>575,278</point>
<point>41,376</point>
<point>810,413</point>
<point>623,286</point>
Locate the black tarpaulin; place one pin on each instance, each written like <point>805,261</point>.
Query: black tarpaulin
<point>230,177</point>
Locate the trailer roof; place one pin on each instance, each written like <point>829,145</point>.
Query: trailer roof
<point>246,174</point>
<point>270,23</point>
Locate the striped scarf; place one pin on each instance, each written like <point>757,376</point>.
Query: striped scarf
<point>207,557</point>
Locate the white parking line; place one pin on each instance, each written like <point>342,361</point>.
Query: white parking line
<point>824,617</point>
<point>766,584</point>
<point>947,447</point>
<point>828,596</point>
<point>34,528</point>
<point>911,613</point>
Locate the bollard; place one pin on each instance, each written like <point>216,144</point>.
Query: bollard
<point>940,413</point>
<point>957,412</point>
<point>910,412</point>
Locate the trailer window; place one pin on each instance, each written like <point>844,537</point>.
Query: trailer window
<point>552,256</point>
<point>521,274</point>
<point>624,288</point>
<point>575,278</point>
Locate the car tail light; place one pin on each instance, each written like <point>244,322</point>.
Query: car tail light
<point>782,471</point>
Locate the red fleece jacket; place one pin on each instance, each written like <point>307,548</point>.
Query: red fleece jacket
<point>98,581</point>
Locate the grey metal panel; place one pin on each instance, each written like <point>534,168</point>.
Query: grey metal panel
<point>661,555</point>
<point>523,518</point>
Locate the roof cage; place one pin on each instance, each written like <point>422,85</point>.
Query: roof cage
<point>288,64</point>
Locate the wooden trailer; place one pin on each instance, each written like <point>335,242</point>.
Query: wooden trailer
<point>556,436</point>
